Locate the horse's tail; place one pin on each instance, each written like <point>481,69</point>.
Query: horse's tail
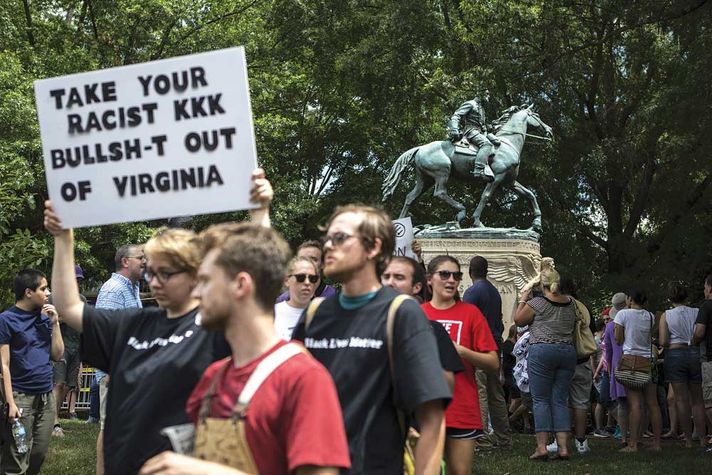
<point>394,176</point>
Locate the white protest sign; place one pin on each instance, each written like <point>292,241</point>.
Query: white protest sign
<point>404,238</point>
<point>155,140</point>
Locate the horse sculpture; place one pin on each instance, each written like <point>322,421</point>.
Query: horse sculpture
<point>436,161</point>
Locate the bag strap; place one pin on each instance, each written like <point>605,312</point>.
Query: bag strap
<point>311,310</point>
<point>265,368</point>
<point>390,325</point>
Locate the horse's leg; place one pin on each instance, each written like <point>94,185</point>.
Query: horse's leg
<point>441,192</point>
<point>414,194</point>
<point>484,199</point>
<point>527,193</point>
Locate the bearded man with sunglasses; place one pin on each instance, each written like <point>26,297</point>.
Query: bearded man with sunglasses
<point>348,335</point>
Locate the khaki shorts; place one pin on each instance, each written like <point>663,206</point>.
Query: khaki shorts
<point>103,391</point>
<point>580,389</point>
<point>707,383</point>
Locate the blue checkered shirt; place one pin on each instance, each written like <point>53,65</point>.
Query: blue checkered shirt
<point>117,293</point>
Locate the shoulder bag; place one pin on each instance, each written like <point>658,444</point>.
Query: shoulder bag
<point>583,338</point>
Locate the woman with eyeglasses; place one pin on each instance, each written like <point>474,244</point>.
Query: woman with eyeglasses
<point>155,355</point>
<point>552,357</point>
<point>473,341</point>
<point>301,281</point>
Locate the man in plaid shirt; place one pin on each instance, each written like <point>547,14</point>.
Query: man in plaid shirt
<point>119,292</point>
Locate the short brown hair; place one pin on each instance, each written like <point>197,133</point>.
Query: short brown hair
<point>177,246</point>
<point>257,250</point>
<point>375,224</point>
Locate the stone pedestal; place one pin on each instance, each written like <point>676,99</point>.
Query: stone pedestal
<point>513,261</point>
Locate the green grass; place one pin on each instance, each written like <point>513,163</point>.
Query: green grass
<point>603,459</point>
<point>74,455</point>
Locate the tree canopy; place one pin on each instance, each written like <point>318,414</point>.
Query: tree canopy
<point>341,89</point>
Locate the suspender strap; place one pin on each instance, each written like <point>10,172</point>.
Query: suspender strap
<point>266,367</point>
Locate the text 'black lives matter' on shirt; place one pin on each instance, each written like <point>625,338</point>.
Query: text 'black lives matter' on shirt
<point>155,362</point>
<point>352,345</point>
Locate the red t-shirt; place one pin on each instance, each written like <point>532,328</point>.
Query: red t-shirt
<point>294,418</point>
<point>467,327</point>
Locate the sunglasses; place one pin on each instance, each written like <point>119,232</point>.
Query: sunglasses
<point>445,274</point>
<point>336,239</point>
<point>302,277</point>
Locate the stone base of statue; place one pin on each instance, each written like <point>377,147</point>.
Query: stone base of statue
<point>513,256</point>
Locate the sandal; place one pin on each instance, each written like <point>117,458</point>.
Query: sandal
<point>539,457</point>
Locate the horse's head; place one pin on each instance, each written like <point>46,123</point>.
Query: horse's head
<point>535,121</point>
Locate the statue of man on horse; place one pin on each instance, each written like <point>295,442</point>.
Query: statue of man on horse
<point>435,162</point>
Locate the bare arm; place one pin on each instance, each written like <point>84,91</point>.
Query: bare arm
<point>12,412</point>
<point>309,470</point>
<point>664,331</point>
<point>66,292</point>
<point>486,361</point>
<point>261,193</point>
<point>699,334</point>
<point>620,333</point>
<point>429,450</point>
<point>524,315</point>
<point>57,348</point>
<point>171,463</point>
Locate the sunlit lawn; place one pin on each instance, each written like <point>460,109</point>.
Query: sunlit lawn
<point>74,454</point>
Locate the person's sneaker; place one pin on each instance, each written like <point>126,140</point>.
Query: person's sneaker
<point>617,433</point>
<point>601,433</point>
<point>57,431</point>
<point>73,416</point>
<point>552,448</point>
<point>582,447</point>
<point>92,420</point>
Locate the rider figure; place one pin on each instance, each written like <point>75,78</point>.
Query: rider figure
<point>475,132</point>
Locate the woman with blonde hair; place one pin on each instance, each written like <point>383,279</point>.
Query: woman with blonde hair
<point>301,280</point>
<point>155,355</point>
<point>552,357</point>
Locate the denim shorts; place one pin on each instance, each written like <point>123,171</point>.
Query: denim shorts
<point>683,365</point>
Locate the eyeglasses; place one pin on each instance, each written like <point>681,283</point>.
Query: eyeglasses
<point>445,274</point>
<point>161,275</point>
<point>141,257</point>
<point>313,278</point>
<point>336,239</point>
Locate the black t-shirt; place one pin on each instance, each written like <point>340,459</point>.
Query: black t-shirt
<point>154,362</point>
<point>485,296</point>
<point>449,359</point>
<point>351,344</point>
<point>704,317</point>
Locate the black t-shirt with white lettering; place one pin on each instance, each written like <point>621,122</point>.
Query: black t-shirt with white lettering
<point>351,344</point>
<point>154,362</point>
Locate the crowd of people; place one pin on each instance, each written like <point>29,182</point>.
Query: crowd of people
<point>230,373</point>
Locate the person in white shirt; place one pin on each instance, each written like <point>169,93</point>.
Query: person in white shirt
<point>301,283</point>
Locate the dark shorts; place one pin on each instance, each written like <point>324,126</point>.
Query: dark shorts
<point>66,370</point>
<point>683,365</point>
<point>465,434</point>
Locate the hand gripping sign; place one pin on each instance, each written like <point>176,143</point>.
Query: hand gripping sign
<point>404,238</point>
<point>167,138</point>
